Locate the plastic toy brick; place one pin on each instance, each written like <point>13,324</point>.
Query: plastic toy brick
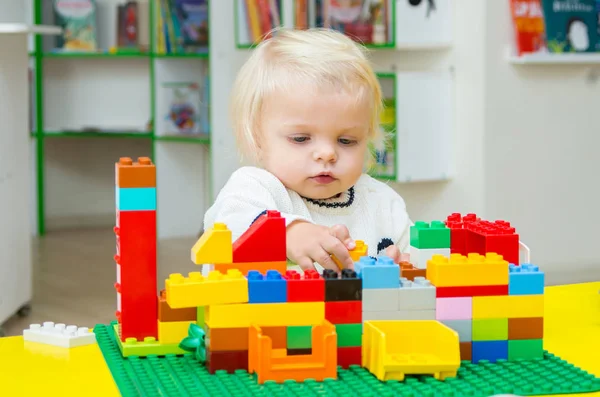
<point>214,246</point>
<point>135,198</point>
<point>498,237</point>
<point>409,272</point>
<point>420,256</point>
<point>343,312</point>
<point>146,347</point>
<point>166,314</point>
<point>478,290</point>
<point>358,252</point>
<point>245,267</point>
<point>510,306</point>
<point>306,287</point>
<point>226,339</point>
<point>228,361</point>
<point>467,271</point>
<point>464,328</point>
<point>380,299</point>
<point>299,337</point>
<point>458,234</point>
<point>466,351</point>
<point>416,295</point>
<point>264,241</point>
<point>268,365</point>
<point>200,315</point>
<point>129,174</point>
<point>526,328</point>
<point>400,315</point>
<point>60,335</point>
<point>486,329</point>
<point>429,235</point>
<point>378,273</point>
<point>454,308</point>
<point>268,288</point>
<point>346,286</point>
<point>349,335</point>
<point>266,314</point>
<point>490,307</point>
<point>526,279</point>
<point>349,356</point>
<point>197,290</point>
<point>394,349</point>
<point>173,331</point>
<point>525,349</point>
<point>491,351</point>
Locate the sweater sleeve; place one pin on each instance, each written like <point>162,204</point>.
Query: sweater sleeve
<point>248,194</point>
<point>403,223</point>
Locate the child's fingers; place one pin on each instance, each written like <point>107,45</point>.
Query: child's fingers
<point>334,246</point>
<point>305,263</point>
<point>393,252</point>
<point>342,233</point>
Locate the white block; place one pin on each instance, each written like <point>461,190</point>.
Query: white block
<point>416,295</point>
<point>420,256</point>
<point>384,299</point>
<point>400,315</point>
<point>59,335</point>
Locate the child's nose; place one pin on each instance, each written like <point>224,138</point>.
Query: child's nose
<point>325,153</point>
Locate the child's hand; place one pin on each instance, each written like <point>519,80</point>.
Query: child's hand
<point>308,243</point>
<point>393,252</point>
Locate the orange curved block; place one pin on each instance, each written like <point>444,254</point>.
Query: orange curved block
<point>272,364</point>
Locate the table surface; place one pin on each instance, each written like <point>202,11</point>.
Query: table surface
<point>571,326</point>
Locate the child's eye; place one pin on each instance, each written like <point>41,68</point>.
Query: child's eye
<point>299,139</point>
<point>345,141</point>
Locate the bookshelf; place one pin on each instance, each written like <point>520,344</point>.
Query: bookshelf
<point>89,108</point>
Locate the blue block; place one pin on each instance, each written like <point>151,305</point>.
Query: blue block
<point>526,279</point>
<point>269,288</point>
<point>135,198</point>
<point>491,351</point>
<point>378,273</point>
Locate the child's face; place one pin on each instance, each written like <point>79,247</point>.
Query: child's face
<point>315,142</point>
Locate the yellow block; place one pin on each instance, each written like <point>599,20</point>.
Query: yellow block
<point>264,314</point>
<point>508,306</point>
<point>197,290</point>
<point>467,271</point>
<point>214,246</point>
<point>173,331</point>
<point>359,251</point>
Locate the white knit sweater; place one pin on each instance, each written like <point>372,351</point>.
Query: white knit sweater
<point>371,210</point>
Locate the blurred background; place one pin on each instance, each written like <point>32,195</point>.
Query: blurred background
<point>491,105</point>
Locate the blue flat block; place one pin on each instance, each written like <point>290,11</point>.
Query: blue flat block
<point>135,198</point>
<point>526,279</point>
<point>491,351</point>
<point>378,273</point>
<point>268,288</point>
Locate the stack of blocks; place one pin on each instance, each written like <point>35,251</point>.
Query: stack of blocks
<point>427,240</point>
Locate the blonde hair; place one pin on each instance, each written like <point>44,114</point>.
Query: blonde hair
<point>315,56</point>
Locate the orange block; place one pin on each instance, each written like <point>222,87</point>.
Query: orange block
<point>135,174</point>
<point>235,339</point>
<point>245,267</point>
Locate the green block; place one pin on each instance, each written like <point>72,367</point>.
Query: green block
<point>299,337</point>
<point>349,335</point>
<point>434,235</point>
<point>489,329</point>
<point>200,316</point>
<point>525,349</point>
<point>146,348</point>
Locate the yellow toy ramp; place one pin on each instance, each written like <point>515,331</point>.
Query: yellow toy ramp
<point>395,348</point>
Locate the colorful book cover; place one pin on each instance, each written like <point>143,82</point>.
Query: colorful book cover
<point>192,20</point>
<point>571,25</point>
<point>78,20</point>
<point>127,27</point>
<point>528,25</point>
<point>184,112</point>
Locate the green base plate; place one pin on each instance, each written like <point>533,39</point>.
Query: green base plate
<point>182,375</point>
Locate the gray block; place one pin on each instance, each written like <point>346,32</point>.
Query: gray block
<point>416,295</point>
<point>400,315</point>
<point>375,299</point>
<point>464,328</point>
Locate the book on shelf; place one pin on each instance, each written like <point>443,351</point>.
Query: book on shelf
<point>182,26</point>
<point>77,18</point>
<point>127,25</point>
<point>256,19</point>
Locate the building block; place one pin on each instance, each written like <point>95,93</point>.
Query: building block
<point>266,314</point>
<point>226,360</point>
<point>458,234</point>
<point>378,273</point>
<point>491,351</point>
<point>510,306</point>
<point>429,235</point>
<point>361,249</point>
<point>466,351</point>
<point>197,290</point>
<point>409,272</point>
<point>146,347</point>
<point>490,306</point>
<point>400,315</point>
<point>263,241</point>
<point>200,316</point>
<point>348,335</point>
<point>487,329</point>
<point>173,331</point>
<point>394,349</point>
<point>245,267</point>
<point>454,308</point>
<point>467,271</point>
<point>347,356</point>
<point>268,364</point>
<point>166,314</point>
<point>499,237</point>
<point>346,286</point>
<point>226,339</point>
<point>299,337</point>
<point>268,288</point>
<point>380,299</point>
<point>343,312</point>
<point>135,198</point>
<point>526,328</point>
<point>61,335</point>
<point>477,290</point>
<point>306,287</point>
<point>525,279</point>
<point>525,349</point>
<point>416,295</point>
<point>464,328</point>
<point>214,246</point>
<point>420,256</point>
<point>129,174</point>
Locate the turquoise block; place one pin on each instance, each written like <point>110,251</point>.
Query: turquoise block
<point>378,273</point>
<point>526,279</point>
<point>136,198</point>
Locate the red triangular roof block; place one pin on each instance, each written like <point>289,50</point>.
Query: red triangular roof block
<point>264,241</point>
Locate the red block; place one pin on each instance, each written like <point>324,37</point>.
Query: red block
<point>348,356</point>
<point>307,288</point>
<point>498,237</point>
<point>136,268</point>
<point>480,290</point>
<point>343,312</point>
<point>458,234</point>
<point>264,241</point>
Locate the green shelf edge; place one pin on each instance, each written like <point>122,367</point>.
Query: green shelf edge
<point>134,135</point>
<point>183,139</point>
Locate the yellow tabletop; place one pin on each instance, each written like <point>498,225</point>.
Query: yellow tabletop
<point>572,332</point>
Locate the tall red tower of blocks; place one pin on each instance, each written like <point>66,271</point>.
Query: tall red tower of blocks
<point>135,194</point>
